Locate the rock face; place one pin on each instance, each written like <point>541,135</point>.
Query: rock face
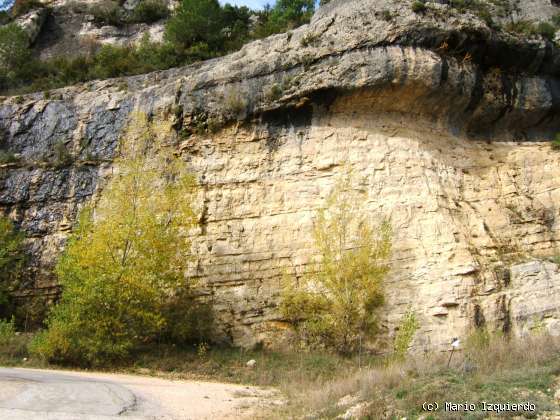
<point>32,23</point>
<point>444,121</point>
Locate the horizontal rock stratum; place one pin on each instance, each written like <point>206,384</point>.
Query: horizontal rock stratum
<point>444,120</point>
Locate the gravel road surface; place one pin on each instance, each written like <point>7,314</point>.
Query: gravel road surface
<point>32,394</point>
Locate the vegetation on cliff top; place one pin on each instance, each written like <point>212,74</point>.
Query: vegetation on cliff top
<point>198,30</point>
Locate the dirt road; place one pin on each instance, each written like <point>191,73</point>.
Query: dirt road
<point>31,394</point>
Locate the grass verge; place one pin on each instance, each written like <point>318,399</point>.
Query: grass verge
<point>323,385</point>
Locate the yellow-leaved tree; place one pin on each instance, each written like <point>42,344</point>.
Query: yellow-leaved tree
<point>124,266</point>
<point>334,305</point>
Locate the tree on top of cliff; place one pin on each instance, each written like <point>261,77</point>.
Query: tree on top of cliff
<point>289,14</point>
<point>196,21</point>
<point>14,54</point>
<point>127,257</point>
<point>335,304</point>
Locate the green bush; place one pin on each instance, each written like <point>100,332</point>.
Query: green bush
<point>15,56</point>
<point>335,306</point>
<point>195,21</point>
<point>13,346</point>
<point>546,30</point>
<point>7,331</point>
<point>418,6</point>
<point>525,27</point>
<point>12,259</point>
<point>149,11</point>
<point>107,12</point>
<point>7,157</point>
<point>556,142</point>
<point>289,14</point>
<point>121,272</point>
<point>405,334</point>
<point>62,156</point>
<point>5,18</point>
<point>186,319</point>
<point>201,29</point>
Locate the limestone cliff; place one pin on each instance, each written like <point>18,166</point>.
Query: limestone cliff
<point>444,119</point>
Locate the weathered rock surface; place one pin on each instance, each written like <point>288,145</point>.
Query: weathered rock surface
<point>444,121</point>
<point>32,23</point>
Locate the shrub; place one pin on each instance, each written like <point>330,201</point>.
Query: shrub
<point>7,157</point>
<point>237,27</point>
<point>527,28</point>
<point>234,103</point>
<point>405,334</point>
<point>387,15</point>
<point>12,258</point>
<point>196,21</point>
<point>149,11</point>
<point>13,346</point>
<point>289,14</point>
<point>418,6</point>
<point>107,12</point>
<point>114,61</point>
<point>556,142</point>
<point>7,331</point>
<point>15,56</point>
<point>154,56</point>
<point>274,92</point>
<point>5,18</point>
<point>120,269</point>
<point>335,305</point>
<point>187,320</point>
<point>62,156</point>
<point>546,30</point>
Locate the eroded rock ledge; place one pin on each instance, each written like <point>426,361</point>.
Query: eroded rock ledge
<point>444,120</point>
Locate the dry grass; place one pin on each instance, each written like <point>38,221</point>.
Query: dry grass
<point>492,369</point>
<point>13,350</point>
